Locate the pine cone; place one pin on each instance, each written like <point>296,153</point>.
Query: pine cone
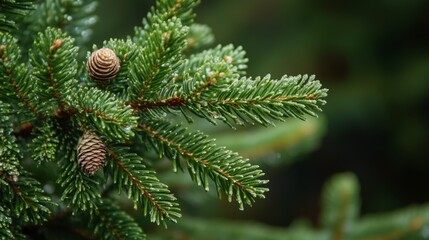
<point>103,65</point>
<point>91,152</point>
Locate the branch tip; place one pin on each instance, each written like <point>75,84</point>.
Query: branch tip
<point>2,49</point>
<point>57,44</point>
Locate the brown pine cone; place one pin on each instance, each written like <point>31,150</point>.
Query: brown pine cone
<point>103,65</point>
<point>91,152</point>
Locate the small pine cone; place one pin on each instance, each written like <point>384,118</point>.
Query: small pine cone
<point>91,152</point>
<point>103,65</point>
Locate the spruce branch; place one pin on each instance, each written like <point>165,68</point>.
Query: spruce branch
<point>10,10</point>
<point>216,92</point>
<point>48,89</point>
<point>261,100</point>
<point>45,143</point>
<point>26,199</point>
<point>340,205</point>
<point>199,36</point>
<point>5,223</point>
<point>232,174</point>
<point>175,97</point>
<point>53,59</point>
<point>182,9</point>
<point>102,111</point>
<point>15,87</point>
<point>74,17</point>
<point>166,10</point>
<point>142,186</point>
<point>161,57</point>
<point>10,155</point>
<point>80,192</point>
<point>235,56</point>
<point>113,223</point>
<point>408,223</point>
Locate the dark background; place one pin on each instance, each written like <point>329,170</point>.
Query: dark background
<point>374,58</point>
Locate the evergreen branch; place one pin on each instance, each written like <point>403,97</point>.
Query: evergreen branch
<point>231,173</point>
<point>143,187</point>
<point>212,229</point>
<point>158,61</point>
<point>74,17</point>
<point>177,8</point>
<point>234,56</point>
<point>45,143</point>
<point>215,92</point>
<point>340,205</point>
<point>291,139</point>
<point>80,192</point>
<point>78,19</point>
<point>113,223</point>
<point>244,100</point>
<point>10,155</point>
<point>103,112</point>
<point>165,11</point>
<point>199,36</point>
<point>14,77</point>
<point>10,9</point>
<point>54,64</point>
<point>406,223</point>
<point>177,96</point>
<point>260,100</point>
<point>171,102</point>
<point>5,223</point>
<point>27,198</point>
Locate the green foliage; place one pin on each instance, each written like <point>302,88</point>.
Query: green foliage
<point>74,17</point>
<point>9,149</point>
<point>53,59</point>
<point>45,143</point>
<point>10,10</point>
<point>80,192</point>
<point>24,199</point>
<point>229,53</point>
<point>199,36</point>
<point>340,204</point>
<point>16,88</point>
<point>182,9</point>
<point>162,54</point>
<point>113,223</point>
<point>5,222</point>
<point>232,174</point>
<point>107,114</point>
<point>142,185</point>
<point>283,144</point>
<point>44,80</point>
<point>218,95</point>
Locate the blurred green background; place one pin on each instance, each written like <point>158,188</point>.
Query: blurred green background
<point>374,58</point>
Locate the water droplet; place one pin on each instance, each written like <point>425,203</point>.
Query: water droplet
<point>86,33</point>
<point>425,232</point>
<point>48,188</point>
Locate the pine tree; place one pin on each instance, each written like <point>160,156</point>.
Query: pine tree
<point>78,127</point>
